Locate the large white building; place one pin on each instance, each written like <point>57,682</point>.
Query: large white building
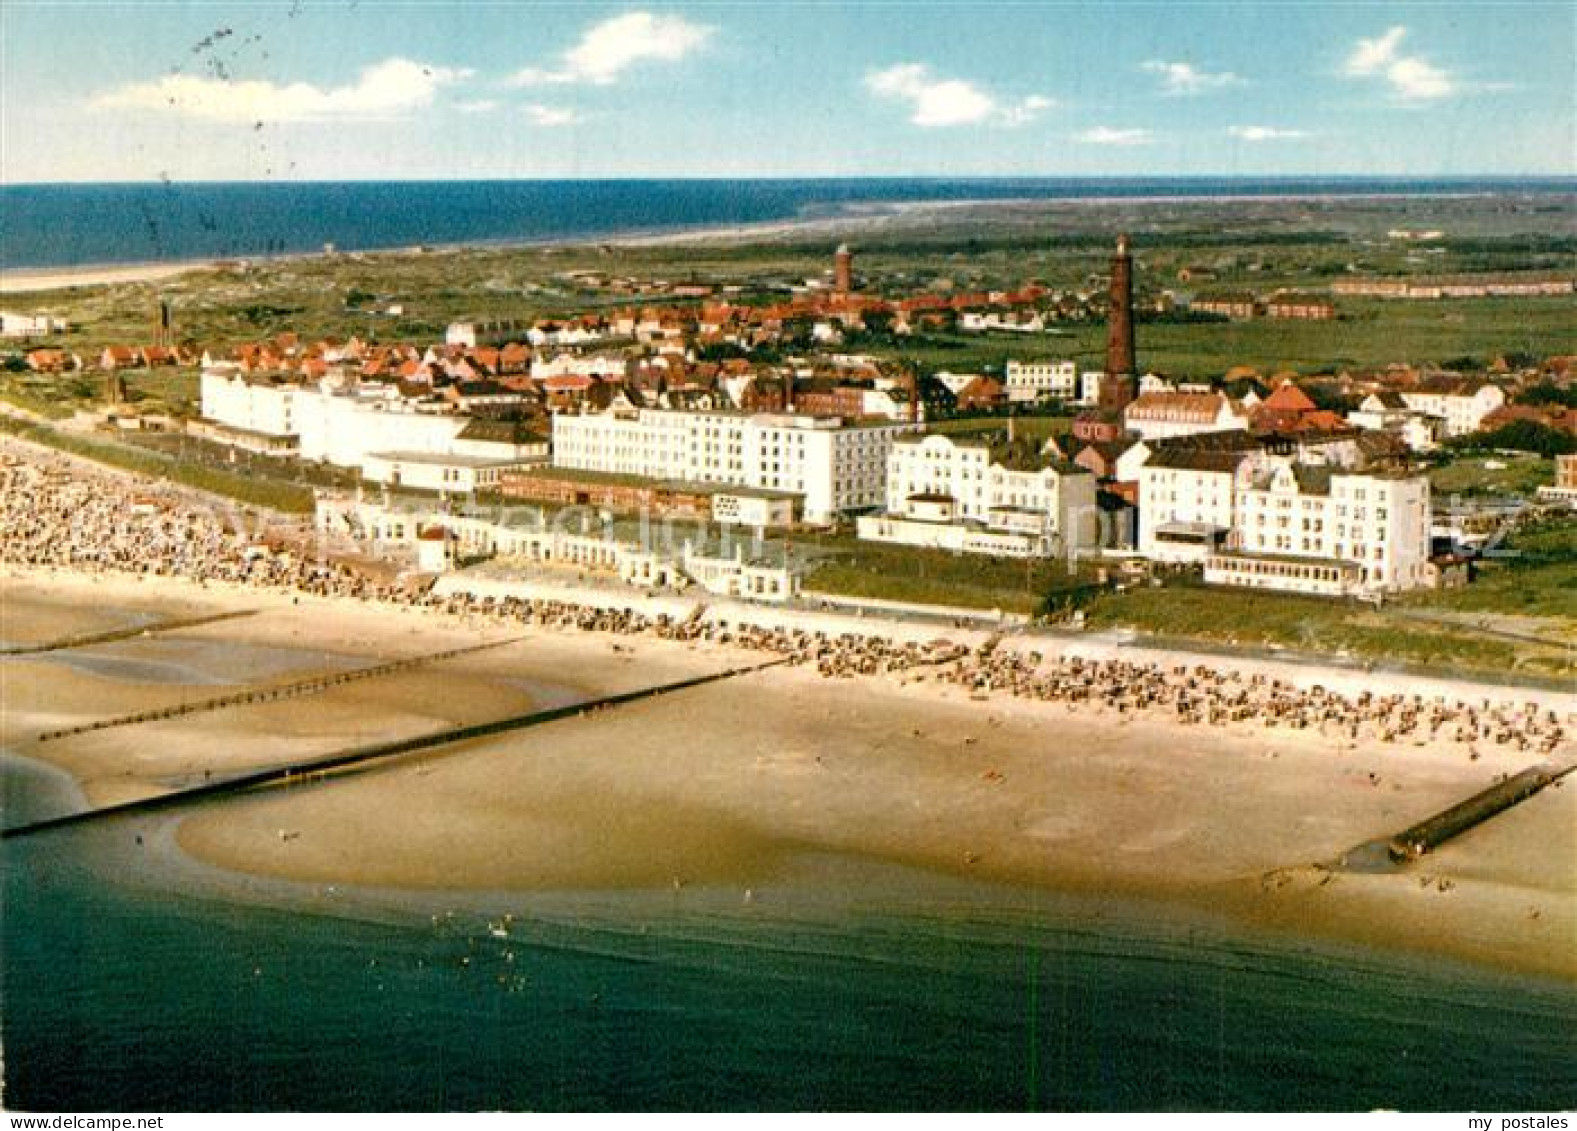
<point>1323,530</point>
<point>1460,406</point>
<point>1028,381</point>
<point>1265,521</point>
<point>393,439</point>
<point>1187,500</point>
<point>835,467</point>
<point>986,495</point>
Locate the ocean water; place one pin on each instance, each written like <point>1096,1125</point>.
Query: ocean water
<point>64,225</point>
<point>133,980</point>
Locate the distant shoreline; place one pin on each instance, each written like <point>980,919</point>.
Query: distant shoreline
<point>832,217</point>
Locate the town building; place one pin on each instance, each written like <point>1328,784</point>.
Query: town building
<point>1310,529</point>
<point>1564,489</point>
<point>412,441</point>
<point>1309,520</point>
<point>1457,286</point>
<point>833,466</point>
<point>1299,307</point>
<point>533,544</point>
<point>1388,413</point>
<point>1188,494</point>
<point>1234,306</point>
<point>1461,404</point>
<point>1029,381</point>
<point>984,494</point>
<point>13,325</point>
<point>1158,416</point>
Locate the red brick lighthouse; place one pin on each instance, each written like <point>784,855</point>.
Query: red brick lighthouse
<point>843,270</point>
<point>1120,385</point>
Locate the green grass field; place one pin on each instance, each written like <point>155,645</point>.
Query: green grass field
<point>1474,475</point>
<point>937,577</point>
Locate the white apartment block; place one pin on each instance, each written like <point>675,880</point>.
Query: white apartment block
<point>1034,380</point>
<point>1187,501</point>
<point>979,495</point>
<point>392,439</point>
<point>1388,412</point>
<point>834,467</point>
<point>1462,411</point>
<point>1320,530</point>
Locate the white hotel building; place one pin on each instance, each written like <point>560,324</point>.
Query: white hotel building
<point>1312,529</point>
<point>1262,521</point>
<point>986,495</point>
<point>833,466</point>
<point>392,439</point>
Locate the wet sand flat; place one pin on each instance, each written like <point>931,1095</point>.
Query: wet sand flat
<point>731,783</point>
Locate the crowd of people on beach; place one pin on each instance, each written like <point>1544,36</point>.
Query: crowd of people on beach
<point>57,512</point>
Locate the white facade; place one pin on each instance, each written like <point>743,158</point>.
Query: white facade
<point>1462,413</point>
<point>956,383</point>
<point>1187,504</point>
<point>437,539</point>
<point>745,508</point>
<point>1271,522</point>
<point>1158,416</point>
<point>1032,380</point>
<point>1419,431</point>
<point>447,474</point>
<point>370,427</point>
<point>834,468</point>
<point>29,325</point>
<point>1090,386</point>
<point>1307,529</point>
<point>970,495</point>
<point>230,399</point>
<point>580,365</point>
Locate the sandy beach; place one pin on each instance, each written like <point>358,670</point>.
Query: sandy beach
<point>20,280</point>
<point>732,783</point>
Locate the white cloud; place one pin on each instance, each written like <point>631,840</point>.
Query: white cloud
<point>477,106</point>
<point>382,90</point>
<point>550,116</point>
<point>1374,55</point>
<point>1264,133</point>
<point>612,46</point>
<point>937,101</point>
<point>1185,78</point>
<point>1412,78</point>
<point>1111,135</point>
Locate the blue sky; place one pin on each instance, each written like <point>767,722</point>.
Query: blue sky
<point>355,89</point>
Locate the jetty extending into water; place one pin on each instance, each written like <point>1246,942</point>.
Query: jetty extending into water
<point>1430,833</point>
<point>115,634</point>
<point>273,693</point>
<point>318,767</point>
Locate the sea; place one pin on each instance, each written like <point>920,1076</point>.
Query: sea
<point>63,225</point>
<point>135,979</point>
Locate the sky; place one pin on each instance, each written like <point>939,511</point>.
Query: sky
<point>413,89</point>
